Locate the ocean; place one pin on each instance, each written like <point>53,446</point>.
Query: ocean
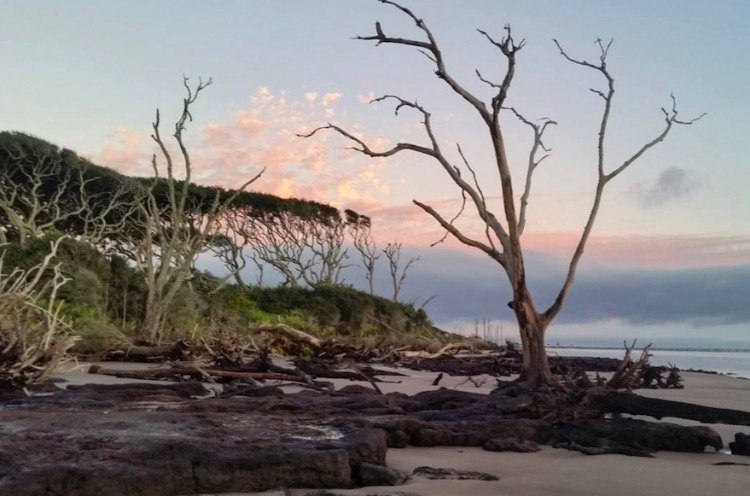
<point>735,363</point>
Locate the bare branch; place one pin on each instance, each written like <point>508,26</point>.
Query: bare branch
<point>494,254</point>
<point>604,178</point>
<point>533,162</point>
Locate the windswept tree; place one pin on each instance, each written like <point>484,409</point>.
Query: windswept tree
<point>396,268</point>
<point>45,189</point>
<point>501,240</point>
<point>172,226</point>
<point>360,231</point>
<point>302,240</point>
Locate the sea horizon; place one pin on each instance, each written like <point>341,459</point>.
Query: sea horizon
<point>731,362</point>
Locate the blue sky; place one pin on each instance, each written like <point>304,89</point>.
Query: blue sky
<point>89,74</point>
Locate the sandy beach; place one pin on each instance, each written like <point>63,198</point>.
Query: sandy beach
<point>561,472</point>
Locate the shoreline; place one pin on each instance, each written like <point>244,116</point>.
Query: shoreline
<point>551,471</point>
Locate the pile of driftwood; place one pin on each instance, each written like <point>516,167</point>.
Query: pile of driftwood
<point>228,359</point>
<point>579,412</point>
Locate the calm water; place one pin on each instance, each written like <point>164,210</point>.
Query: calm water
<point>726,362</point>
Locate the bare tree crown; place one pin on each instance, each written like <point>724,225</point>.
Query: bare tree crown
<point>501,240</point>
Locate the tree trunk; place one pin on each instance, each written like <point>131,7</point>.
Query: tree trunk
<point>536,370</point>
<point>152,320</point>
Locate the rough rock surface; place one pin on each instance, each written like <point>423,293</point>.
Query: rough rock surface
<point>154,439</point>
<point>504,444</point>
<point>53,447</point>
<point>452,474</point>
<point>741,444</point>
<point>368,474</point>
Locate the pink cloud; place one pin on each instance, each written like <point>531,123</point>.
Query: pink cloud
<point>264,134</point>
<point>126,151</point>
<point>409,224</point>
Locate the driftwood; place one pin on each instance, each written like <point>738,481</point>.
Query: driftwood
<point>295,334</point>
<point>602,401</point>
<point>151,353</point>
<point>608,450</point>
<point>448,349</point>
<point>177,373</point>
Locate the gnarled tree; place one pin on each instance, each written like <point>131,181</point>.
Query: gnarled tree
<point>360,230</point>
<point>45,189</point>
<point>502,238</point>
<point>173,226</point>
<point>302,240</point>
<point>397,270</point>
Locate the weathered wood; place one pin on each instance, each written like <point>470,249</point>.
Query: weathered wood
<point>608,450</point>
<point>195,372</point>
<point>295,334</point>
<point>610,401</point>
<point>150,353</point>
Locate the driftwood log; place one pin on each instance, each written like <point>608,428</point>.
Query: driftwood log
<point>176,373</point>
<point>151,353</point>
<point>611,401</point>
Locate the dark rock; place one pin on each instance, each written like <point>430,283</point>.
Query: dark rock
<point>357,389</point>
<point>637,434</point>
<point>182,389</point>
<point>504,444</point>
<point>398,439</point>
<point>741,444</point>
<point>606,448</point>
<point>90,452</point>
<point>452,474</point>
<point>325,492</point>
<point>463,433</point>
<point>446,399</point>
<point>368,474</point>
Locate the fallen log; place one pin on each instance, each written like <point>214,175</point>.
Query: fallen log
<point>609,450</point>
<point>176,373</point>
<point>295,334</point>
<point>610,401</point>
<point>151,353</point>
<point>448,349</point>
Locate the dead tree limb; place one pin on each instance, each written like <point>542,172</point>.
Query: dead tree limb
<point>503,243</point>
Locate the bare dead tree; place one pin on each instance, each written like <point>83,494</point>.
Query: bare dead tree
<point>397,270</point>
<point>173,233</point>
<point>360,230</point>
<point>325,243</point>
<point>277,240</point>
<point>304,248</point>
<point>40,192</point>
<point>228,246</point>
<point>502,240</point>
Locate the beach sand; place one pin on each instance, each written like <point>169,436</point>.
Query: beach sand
<point>564,473</point>
<point>560,472</point>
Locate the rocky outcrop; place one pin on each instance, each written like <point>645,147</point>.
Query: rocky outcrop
<point>86,452</point>
<point>741,444</point>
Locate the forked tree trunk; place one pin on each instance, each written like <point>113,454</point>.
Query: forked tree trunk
<point>532,328</point>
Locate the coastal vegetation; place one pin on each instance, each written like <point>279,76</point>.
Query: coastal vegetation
<point>93,259</point>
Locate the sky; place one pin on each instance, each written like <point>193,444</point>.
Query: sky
<point>669,260</point>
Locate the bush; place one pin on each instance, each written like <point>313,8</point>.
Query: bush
<point>33,339</point>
